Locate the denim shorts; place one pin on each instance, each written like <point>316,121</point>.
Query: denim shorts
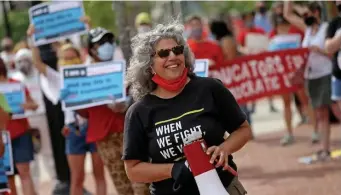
<point>75,142</point>
<point>22,147</point>
<point>336,89</point>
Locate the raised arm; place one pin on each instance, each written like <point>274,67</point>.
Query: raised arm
<point>38,63</point>
<point>291,17</point>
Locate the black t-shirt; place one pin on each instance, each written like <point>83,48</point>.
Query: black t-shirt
<point>154,127</point>
<point>333,26</point>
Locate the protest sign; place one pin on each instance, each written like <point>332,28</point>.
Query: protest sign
<point>266,74</point>
<point>6,162</point>
<point>7,157</point>
<point>3,178</point>
<point>12,96</point>
<point>93,85</point>
<point>201,67</point>
<point>256,43</point>
<point>280,42</point>
<point>56,20</point>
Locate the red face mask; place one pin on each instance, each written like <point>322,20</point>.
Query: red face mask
<point>171,85</point>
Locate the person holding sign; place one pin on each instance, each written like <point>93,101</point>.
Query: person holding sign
<point>21,139</point>
<point>318,69</point>
<point>286,36</point>
<point>75,127</point>
<point>171,103</point>
<point>106,121</point>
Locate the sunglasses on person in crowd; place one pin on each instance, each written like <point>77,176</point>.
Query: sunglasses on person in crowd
<point>177,50</point>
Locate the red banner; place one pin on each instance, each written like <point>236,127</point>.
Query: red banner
<point>266,74</point>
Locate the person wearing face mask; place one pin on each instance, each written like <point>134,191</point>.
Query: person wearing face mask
<point>262,19</point>
<point>7,53</point>
<point>333,45</point>
<point>21,140</point>
<point>143,22</point>
<point>201,47</point>
<point>75,128</point>
<point>29,75</point>
<point>105,122</point>
<point>318,68</point>
<point>249,27</point>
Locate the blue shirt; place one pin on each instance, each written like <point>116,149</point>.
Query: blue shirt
<point>263,22</point>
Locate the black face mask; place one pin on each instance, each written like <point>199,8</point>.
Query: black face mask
<point>262,10</point>
<point>310,20</point>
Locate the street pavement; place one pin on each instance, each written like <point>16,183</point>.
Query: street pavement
<point>265,167</point>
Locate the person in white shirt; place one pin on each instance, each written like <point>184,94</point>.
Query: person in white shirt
<point>75,128</point>
<point>318,69</point>
<point>26,73</point>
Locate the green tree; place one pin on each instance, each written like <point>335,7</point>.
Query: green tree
<point>19,22</point>
<point>101,14</point>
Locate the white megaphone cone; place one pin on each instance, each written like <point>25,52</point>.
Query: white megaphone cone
<point>204,172</point>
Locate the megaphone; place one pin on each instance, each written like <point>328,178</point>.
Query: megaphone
<point>205,174</point>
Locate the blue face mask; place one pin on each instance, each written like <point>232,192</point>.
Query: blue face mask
<point>106,51</point>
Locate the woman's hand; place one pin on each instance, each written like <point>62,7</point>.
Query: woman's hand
<point>65,131</point>
<point>218,155</point>
<point>30,31</point>
<point>86,20</point>
<point>29,106</point>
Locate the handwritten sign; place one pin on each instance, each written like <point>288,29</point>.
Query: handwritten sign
<point>13,96</point>
<point>256,76</point>
<point>56,20</point>
<point>93,85</point>
<point>201,67</point>
<point>280,42</point>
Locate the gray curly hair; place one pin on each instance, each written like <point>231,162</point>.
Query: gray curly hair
<point>139,74</point>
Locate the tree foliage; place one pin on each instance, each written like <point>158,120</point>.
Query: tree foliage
<point>19,22</point>
<point>101,14</point>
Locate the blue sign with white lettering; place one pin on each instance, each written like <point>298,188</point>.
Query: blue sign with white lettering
<point>7,158</point>
<point>56,20</point>
<point>14,97</point>
<point>93,85</point>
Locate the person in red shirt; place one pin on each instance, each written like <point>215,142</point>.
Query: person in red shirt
<point>249,27</point>
<point>283,27</point>
<point>21,139</point>
<point>106,122</point>
<point>201,47</point>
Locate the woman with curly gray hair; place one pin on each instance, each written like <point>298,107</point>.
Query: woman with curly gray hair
<point>172,102</point>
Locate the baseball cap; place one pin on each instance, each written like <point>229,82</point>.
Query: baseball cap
<point>96,34</point>
<point>143,18</point>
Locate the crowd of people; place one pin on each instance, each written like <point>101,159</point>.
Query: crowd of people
<point>164,91</point>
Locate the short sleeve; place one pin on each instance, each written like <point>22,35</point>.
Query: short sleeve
<point>135,142</point>
<point>229,111</point>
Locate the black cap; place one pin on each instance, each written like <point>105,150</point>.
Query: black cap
<point>97,34</point>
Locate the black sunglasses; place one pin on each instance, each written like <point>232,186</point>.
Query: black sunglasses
<point>177,50</point>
